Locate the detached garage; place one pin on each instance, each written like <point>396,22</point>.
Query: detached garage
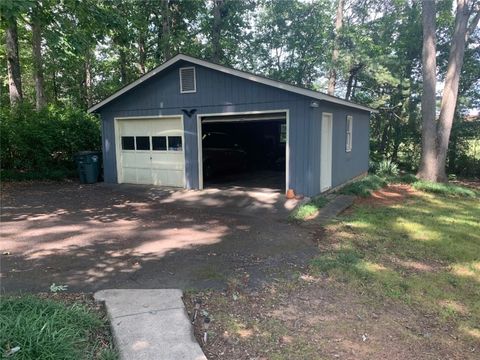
<point>193,124</point>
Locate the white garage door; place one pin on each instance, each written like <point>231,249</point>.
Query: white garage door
<point>151,151</point>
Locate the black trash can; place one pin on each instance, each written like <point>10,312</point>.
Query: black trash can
<point>88,166</point>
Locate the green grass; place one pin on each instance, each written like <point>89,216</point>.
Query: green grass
<point>364,186</point>
<point>304,211</point>
<point>444,189</point>
<point>47,329</point>
<point>423,251</point>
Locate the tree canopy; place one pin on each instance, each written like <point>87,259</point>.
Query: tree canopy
<point>76,52</point>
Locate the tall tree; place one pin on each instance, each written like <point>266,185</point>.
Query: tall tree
<point>36,24</point>
<point>332,79</point>
<point>163,28</point>
<point>465,10</point>
<point>13,61</point>
<point>166,28</point>
<point>217,51</point>
<point>88,81</point>
<point>428,161</point>
<point>435,142</point>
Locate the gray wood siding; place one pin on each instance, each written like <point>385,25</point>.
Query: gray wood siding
<point>347,165</point>
<point>218,93</point>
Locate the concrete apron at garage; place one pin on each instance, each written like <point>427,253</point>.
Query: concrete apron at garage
<point>248,201</point>
<point>150,324</point>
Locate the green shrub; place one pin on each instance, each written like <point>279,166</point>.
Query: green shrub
<point>47,329</point>
<point>402,179</point>
<point>41,144</point>
<point>444,189</point>
<point>365,186</point>
<point>387,168</point>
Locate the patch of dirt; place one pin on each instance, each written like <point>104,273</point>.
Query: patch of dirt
<point>471,183</point>
<point>389,195</point>
<point>318,318</point>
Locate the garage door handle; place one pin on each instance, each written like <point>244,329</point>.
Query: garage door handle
<point>150,158</point>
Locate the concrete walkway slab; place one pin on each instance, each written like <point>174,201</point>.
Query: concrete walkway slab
<point>336,205</point>
<point>150,324</point>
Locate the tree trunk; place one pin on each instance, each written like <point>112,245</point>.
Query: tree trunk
<point>166,29</point>
<point>55,85</point>
<point>13,63</point>
<point>428,161</point>
<point>88,80</point>
<point>351,79</point>
<point>332,78</point>
<point>396,142</point>
<point>217,53</point>
<point>354,87</point>
<point>122,57</point>
<point>384,139</point>
<point>450,90</point>
<point>142,54</point>
<point>159,39</point>
<point>38,60</point>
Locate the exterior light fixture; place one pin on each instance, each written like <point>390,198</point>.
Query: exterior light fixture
<point>314,104</point>
<point>198,303</point>
<point>206,325</point>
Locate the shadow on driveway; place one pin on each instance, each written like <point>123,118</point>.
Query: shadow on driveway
<point>93,237</point>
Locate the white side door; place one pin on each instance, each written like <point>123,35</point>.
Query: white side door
<point>326,152</point>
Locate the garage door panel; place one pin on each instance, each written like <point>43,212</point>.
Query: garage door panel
<point>176,177</point>
<point>167,178</point>
<point>144,176</point>
<point>136,160</point>
<point>166,126</point>
<point>130,175</point>
<point>165,167</point>
<point>168,161</point>
<point>159,166</point>
<point>128,158</point>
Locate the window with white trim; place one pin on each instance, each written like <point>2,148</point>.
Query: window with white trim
<point>188,83</point>
<point>348,138</point>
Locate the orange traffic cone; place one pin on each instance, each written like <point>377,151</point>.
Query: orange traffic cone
<point>290,194</point>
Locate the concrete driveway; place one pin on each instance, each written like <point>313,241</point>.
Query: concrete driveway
<point>93,237</point>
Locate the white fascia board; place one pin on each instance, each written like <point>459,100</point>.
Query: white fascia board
<point>238,73</point>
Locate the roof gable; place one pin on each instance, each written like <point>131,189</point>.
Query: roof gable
<point>242,74</point>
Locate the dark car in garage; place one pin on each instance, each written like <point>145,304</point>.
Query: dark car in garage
<point>222,155</point>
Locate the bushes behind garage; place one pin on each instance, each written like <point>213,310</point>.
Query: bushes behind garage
<point>41,144</point>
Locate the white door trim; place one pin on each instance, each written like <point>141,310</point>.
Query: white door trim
<point>199,139</point>
<point>118,149</point>
<point>326,143</point>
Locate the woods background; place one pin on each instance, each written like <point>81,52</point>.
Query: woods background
<point>73,53</point>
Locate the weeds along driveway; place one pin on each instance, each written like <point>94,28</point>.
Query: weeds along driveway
<point>92,237</point>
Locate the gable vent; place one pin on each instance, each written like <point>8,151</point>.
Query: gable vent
<point>188,83</point>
